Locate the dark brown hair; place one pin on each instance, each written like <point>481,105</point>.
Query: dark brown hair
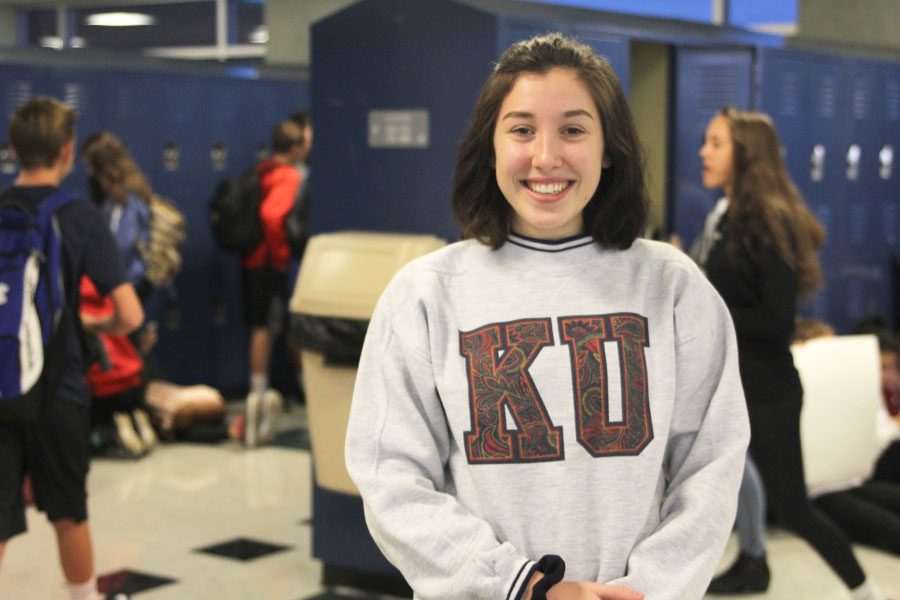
<point>109,159</point>
<point>765,209</point>
<point>286,135</point>
<point>616,213</point>
<point>39,129</point>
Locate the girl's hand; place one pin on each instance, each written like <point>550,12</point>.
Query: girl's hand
<point>583,590</point>
<point>587,590</point>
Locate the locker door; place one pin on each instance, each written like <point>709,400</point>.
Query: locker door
<point>798,91</point>
<point>183,107</point>
<point>18,84</point>
<point>705,80</point>
<point>887,181</point>
<point>82,90</point>
<point>235,106</point>
<point>867,261</point>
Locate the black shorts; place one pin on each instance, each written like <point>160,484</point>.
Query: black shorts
<point>264,297</point>
<point>54,451</point>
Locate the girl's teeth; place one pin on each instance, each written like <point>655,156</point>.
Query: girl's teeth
<point>548,188</point>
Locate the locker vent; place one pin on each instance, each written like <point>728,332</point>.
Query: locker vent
<point>857,225</point>
<point>789,94</point>
<point>718,84</point>
<point>178,105</point>
<point>75,96</point>
<point>892,99</point>
<point>827,98</point>
<point>823,214</point>
<point>17,93</point>
<point>855,302</point>
<point>889,221</point>
<point>862,100</point>
<point>126,103</point>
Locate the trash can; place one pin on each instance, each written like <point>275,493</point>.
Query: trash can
<point>341,278</point>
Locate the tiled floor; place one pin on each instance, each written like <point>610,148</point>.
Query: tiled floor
<point>220,522</point>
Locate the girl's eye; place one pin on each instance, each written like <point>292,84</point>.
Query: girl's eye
<point>573,130</point>
<point>521,130</point>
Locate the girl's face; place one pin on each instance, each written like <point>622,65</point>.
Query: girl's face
<point>548,148</point>
<point>717,155</point>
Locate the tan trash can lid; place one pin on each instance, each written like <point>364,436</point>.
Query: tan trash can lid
<point>343,274</point>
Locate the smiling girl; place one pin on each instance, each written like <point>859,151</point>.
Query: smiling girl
<point>552,407</point>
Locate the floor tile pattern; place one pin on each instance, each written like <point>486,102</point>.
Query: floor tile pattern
<point>149,517</point>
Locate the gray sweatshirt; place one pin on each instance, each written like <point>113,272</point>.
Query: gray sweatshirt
<point>549,398</point>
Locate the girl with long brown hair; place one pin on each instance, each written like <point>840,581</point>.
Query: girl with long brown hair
<point>124,202</point>
<point>762,260</point>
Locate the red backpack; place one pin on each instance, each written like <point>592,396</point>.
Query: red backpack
<point>123,371</point>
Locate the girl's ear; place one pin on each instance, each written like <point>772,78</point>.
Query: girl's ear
<point>606,162</point>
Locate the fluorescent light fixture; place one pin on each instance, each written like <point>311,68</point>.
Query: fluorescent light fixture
<point>119,19</point>
<point>77,42</point>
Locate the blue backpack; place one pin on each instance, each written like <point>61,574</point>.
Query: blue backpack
<point>32,305</point>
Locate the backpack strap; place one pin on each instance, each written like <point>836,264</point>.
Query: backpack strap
<point>53,202</point>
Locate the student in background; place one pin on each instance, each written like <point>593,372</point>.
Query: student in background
<point>263,275</point>
<point>762,261</point>
<point>54,447</point>
<point>125,201</point>
<point>497,449</point>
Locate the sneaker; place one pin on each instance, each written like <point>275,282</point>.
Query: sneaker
<point>145,429</point>
<point>126,436</point>
<point>748,575</point>
<point>272,404</point>
<point>251,420</point>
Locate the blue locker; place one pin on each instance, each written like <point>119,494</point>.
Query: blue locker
<point>705,80</point>
<point>886,187</point>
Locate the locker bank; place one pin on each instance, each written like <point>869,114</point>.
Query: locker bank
<point>390,85</point>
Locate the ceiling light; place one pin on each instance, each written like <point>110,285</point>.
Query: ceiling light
<point>119,19</point>
<point>77,42</point>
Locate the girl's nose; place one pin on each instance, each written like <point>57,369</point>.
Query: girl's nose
<point>547,152</point>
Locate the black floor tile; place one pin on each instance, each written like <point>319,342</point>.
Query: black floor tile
<point>395,585</point>
<point>130,582</point>
<point>242,549</point>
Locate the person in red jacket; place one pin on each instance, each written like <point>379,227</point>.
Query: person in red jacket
<point>263,278</point>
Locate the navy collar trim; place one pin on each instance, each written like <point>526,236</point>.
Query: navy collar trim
<point>570,243</point>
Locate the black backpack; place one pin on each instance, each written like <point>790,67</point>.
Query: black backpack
<point>296,223</point>
<point>234,213</point>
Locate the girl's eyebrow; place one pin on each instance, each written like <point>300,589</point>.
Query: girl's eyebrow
<point>527,115</point>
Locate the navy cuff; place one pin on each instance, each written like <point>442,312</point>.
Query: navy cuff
<point>554,568</point>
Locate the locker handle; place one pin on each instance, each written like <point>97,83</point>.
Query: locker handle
<point>854,154</point>
<point>171,154</point>
<point>817,163</point>
<point>7,159</point>
<point>886,161</point>
<point>218,155</point>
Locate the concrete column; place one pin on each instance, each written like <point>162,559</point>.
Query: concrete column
<point>864,22</point>
<point>7,27</point>
<point>289,24</point>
